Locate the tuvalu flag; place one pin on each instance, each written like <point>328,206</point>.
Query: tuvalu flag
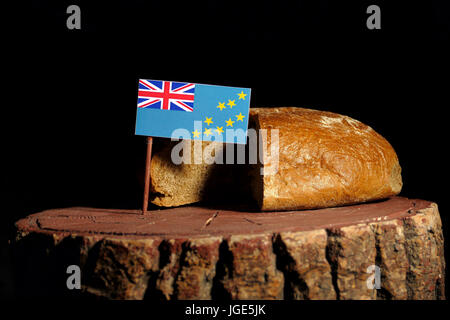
<point>193,111</point>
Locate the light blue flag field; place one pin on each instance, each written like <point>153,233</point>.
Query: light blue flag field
<point>192,111</point>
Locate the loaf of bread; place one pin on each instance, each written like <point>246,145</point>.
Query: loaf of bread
<point>322,159</point>
<point>325,160</point>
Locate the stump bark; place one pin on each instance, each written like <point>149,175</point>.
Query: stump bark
<point>217,253</point>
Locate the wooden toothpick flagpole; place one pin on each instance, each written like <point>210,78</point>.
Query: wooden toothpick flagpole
<point>148,163</point>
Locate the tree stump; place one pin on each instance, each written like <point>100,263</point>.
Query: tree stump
<point>216,253</point>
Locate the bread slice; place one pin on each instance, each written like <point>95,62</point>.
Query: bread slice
<point>324,160</point>
<point>179,184</point>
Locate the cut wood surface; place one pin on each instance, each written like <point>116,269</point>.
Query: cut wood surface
<point>217,253</point>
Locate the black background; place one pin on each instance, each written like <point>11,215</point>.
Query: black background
<point>69,126</point>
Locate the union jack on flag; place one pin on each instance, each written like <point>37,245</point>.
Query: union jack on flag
<point>166,95</point>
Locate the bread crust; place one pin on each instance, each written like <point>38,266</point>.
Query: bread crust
<point>325,160</point>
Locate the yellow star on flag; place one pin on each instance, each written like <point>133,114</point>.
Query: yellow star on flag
<point>229,122</point>
<point>240,117</point>
<point>219,130</point>
<point>208,121</point>
<point>196,133</point>
<point>242,95</point>
<point>221,106</point>
<point>231,103</point>
<point>207,132</point>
